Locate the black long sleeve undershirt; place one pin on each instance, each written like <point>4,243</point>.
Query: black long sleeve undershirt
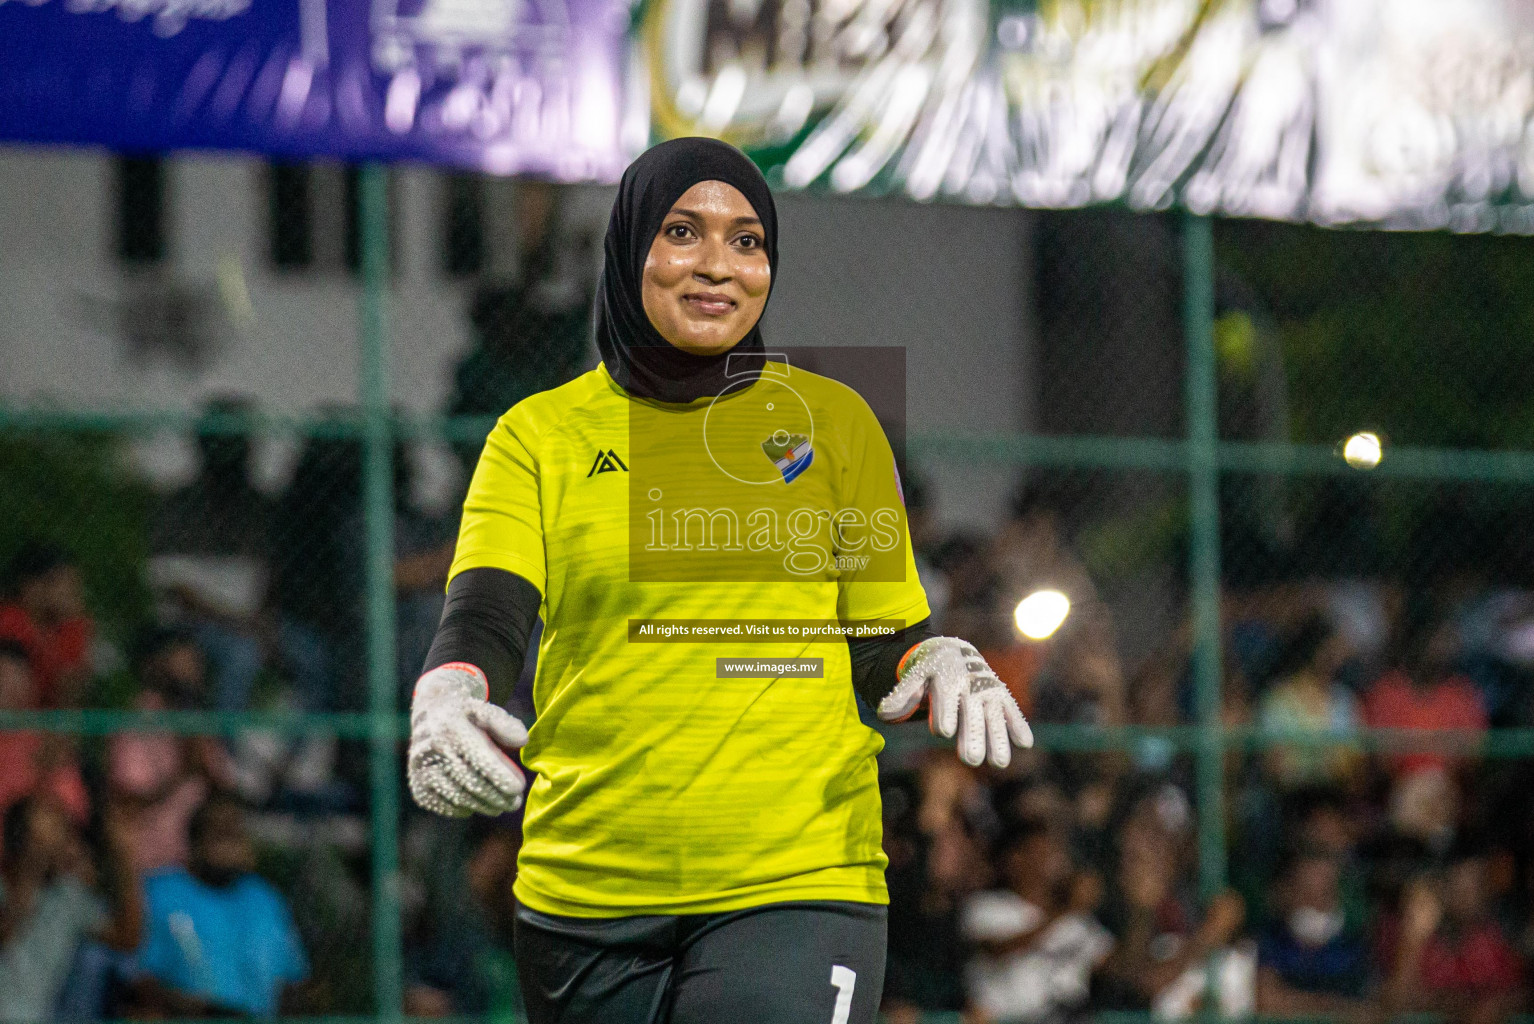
<point>486,621</point>
<point>490,613</point>
<point>875,659</point>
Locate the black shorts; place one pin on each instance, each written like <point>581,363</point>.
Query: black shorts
<point>809,962</point>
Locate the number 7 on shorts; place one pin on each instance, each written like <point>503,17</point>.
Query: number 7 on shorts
<point>844,980</point>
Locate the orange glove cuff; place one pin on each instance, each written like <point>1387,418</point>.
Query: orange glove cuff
<point>900,667</point>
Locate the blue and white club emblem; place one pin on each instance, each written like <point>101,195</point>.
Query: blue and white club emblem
<point>791,453</point>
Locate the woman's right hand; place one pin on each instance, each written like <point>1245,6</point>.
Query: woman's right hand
<point>458,763</point>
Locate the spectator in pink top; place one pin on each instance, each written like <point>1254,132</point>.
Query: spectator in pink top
<point>158,780</point>
<point>1424,692</point>
<point>34,763</point>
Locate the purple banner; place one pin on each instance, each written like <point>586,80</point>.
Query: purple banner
<point>505,86</point>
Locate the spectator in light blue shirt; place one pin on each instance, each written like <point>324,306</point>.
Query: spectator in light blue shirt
<point>218,939</point>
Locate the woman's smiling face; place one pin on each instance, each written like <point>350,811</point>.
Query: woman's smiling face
<point>707,276</point>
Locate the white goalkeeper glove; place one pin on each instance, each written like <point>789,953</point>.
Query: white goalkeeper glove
<point>961,690</point>
<point>458,741</point>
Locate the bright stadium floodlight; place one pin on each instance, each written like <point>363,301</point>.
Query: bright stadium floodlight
<point>1363,450</point>
<point>1041,613</point>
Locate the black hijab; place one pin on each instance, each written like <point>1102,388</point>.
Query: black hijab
<point>644,363</point>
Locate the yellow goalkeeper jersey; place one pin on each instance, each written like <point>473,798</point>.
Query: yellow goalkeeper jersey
<point>663,539</point>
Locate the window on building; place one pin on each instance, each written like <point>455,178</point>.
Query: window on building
<point>314,217</point>
<point>463,225</point>
<point>290,216</point>
<point>141,195</point>
<point>492,226</point>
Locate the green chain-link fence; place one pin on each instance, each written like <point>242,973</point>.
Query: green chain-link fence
<point>1185,485</point>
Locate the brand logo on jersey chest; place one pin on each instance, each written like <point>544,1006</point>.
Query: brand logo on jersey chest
<point>606,462</point>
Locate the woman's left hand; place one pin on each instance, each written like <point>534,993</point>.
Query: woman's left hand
<point>959,689</point>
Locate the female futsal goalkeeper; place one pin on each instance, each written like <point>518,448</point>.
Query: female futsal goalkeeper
<point>701,846</point>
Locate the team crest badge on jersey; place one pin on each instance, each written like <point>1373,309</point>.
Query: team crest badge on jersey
<point>791,453</point>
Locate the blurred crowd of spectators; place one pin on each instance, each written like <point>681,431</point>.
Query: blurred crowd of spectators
<point>1362,880</point>
<point>152,874</point>
<point>156,874</point>
<point>128,882</point>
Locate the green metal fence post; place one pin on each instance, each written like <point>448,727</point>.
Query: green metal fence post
<point>379,519</point>
<point>1201,408</point>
